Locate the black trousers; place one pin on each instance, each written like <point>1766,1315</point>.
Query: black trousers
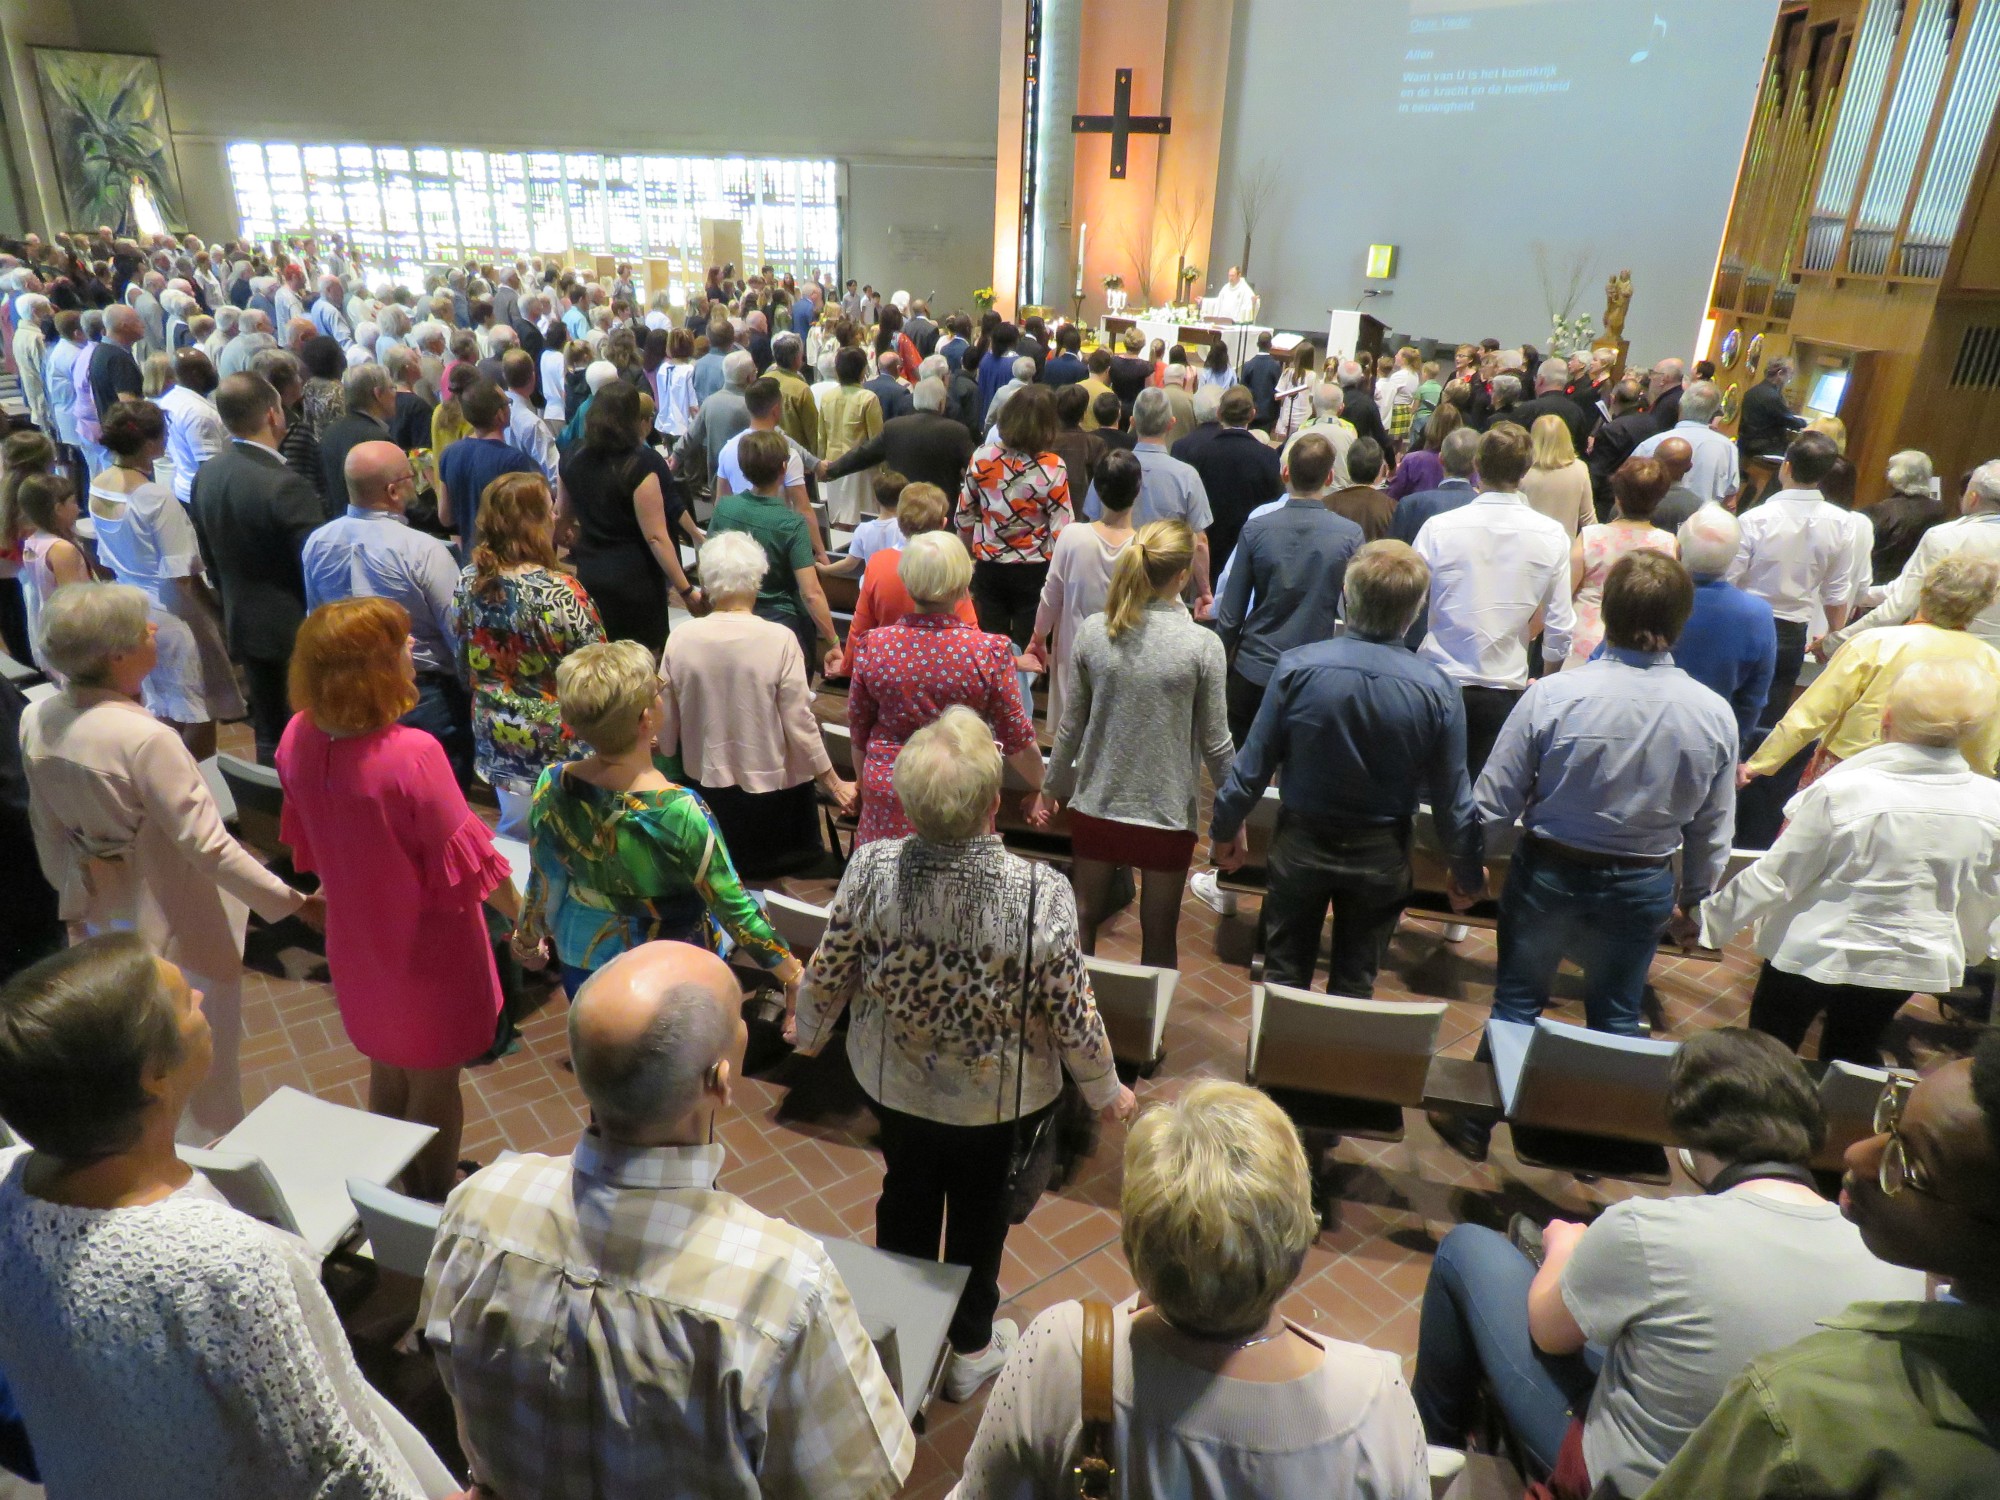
<point>1785,676</point>
<point>1856,1014</point>
<point>949,1178</point>
<point>444,712</point>
<point>1241,698</point>
<point>1363,873</point>
<point>1006,595</point>
<point>1486,709</point>
<point>270,696</point>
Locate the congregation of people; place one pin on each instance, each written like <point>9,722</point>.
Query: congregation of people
<point>528,556</point>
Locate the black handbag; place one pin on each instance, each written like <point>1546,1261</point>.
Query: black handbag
<point>1031,1162</point>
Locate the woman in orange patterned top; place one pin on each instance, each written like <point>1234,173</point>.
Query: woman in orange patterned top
<point>1014,501</point>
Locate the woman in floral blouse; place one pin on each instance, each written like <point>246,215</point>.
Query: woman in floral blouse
<point>1014,501</point>
<point>904,675</point>
<point>623,856</point>
<point>517,616</point>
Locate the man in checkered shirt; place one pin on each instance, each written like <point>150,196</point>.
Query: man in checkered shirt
<point>612,1325</point>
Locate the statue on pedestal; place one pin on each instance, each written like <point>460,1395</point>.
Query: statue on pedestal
<point>1617,302</point>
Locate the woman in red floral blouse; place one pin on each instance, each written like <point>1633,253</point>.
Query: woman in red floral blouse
<point>905,675</point>
<point>1014,500</point>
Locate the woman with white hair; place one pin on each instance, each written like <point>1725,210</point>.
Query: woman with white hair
<point>902,676</point>
<point>228,318</point>
<point>126,829</point>
<point>1901,518</point>
<point>178,307</point>
<point>1886,880</point>
<point>737,719</point>
<point>1215,1392</point>
<point>969,999</point>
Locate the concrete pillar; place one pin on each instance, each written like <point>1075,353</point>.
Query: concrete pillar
<point>1054,268</point>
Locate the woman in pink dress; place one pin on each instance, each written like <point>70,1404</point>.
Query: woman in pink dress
<point>904,675</point>
<point>371,806</point>
<point>1638,486</point>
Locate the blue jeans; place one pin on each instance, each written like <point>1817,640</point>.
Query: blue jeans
<point>1474,1324</point>
<point>1609,921</point>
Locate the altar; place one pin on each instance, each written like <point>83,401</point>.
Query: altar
<point>1240,339</point>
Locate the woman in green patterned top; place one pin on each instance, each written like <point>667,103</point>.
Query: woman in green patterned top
<point>623,856</point>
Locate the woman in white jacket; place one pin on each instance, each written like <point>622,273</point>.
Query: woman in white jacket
<point>1886,879</point>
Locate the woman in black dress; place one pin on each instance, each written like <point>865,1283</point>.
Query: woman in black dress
<point>628,510</point>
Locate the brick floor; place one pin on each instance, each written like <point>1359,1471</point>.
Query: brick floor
<point>1361,1282</point>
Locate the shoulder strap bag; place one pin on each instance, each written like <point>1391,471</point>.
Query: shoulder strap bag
<point>1093,1475</point>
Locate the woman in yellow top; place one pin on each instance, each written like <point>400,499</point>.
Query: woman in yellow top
<point>1843,707</point>
<point>849,415</point>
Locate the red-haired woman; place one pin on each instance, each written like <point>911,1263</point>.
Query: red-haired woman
<point>371,806</point>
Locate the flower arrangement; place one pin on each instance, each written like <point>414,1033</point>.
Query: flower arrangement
<point>1189,276</point>
<point>1114,283</point>
<point>1569,336</point>
<point>984,298</point>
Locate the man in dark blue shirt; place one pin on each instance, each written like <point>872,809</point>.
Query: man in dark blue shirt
<point>1457,455</point>
<point>1284,588</point>
<point>1730,642</point>
<point>1360,726</point>
<point>1065,366</point>
<point>1261,372</point>
<point>472,463</point>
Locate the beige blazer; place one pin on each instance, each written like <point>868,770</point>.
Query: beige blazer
<point>738,707</point>
<point>128,834</point>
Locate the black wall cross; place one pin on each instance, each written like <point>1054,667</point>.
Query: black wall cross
<point>1121,124</point>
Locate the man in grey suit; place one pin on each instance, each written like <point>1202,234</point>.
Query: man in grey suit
<point>252,516</point>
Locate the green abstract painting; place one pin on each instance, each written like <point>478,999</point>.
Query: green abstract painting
<point>114,153</point>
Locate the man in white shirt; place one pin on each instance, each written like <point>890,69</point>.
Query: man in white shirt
<point>1499,568</point>
<point>526,431</point>
<point>1799,551</point>
<point>1236,301</point>
<point>1975,533</point>
<point>195,433</point>
<point>1714,475</point>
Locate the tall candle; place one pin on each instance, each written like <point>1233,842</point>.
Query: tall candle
<point>1082,233</point>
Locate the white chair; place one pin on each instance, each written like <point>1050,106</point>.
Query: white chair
<point>1583,1100</point>
<point>246,1183</point>
<point>839,747</point>
<point>1134,1000</point>
<point>914,1299</point>
<point>1341,1062</point>
<point>400,1229</point>
<point>519,862</point>
<point>288,1163</point>
<point>1848,1094</point>
<point>259,801</point>
<point>799,923</point>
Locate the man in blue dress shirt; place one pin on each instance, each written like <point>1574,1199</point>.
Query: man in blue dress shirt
<point>372,552</point>
<point>1361,727</point>
<point>1613,768</point>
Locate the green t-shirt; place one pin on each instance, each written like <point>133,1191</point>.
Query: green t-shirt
<point>781,532</point>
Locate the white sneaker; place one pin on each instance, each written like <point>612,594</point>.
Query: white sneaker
<point>1205,885</point>
<point>968,1372</point>
<point>1455,932</point>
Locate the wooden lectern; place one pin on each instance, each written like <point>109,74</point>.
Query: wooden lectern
<point>1353,335</point>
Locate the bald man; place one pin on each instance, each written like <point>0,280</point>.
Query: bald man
<point>1676,456</point>
<point>372,551</point>
<point>612,1324</point>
